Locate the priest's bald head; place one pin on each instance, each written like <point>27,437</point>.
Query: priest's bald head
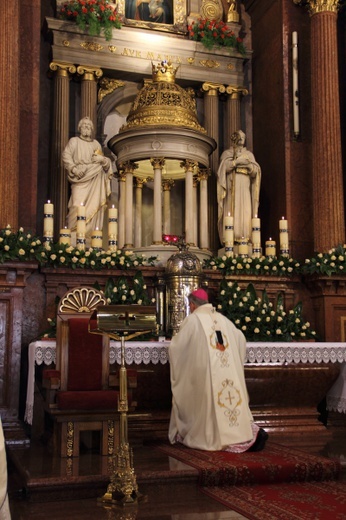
<point>198,297</point>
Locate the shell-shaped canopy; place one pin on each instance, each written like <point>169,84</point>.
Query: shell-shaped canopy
<point>161,102</point>
<point>81,299</point>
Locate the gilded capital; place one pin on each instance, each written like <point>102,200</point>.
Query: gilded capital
<point>139,182</point>
<point>319,6</point>
<point>167,184</point>
<point>158,162</point>
<point>212,89</point>
<point>236,92</point>
<point>89,73</point>
<point>128,167</point>
<point>189,166</point>
<point>203,174</point>
<point>62,68</point>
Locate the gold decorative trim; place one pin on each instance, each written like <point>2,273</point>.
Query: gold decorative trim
<point>62,67</point>
<point>107,86</point>
<point>235,92</point>
<point>69,439</point>
<point>66,43</point>
<point>212,10</point>
<point>213,87</point>
<point>210,64</point>
<point>112,48</point>
<point>158,162</point>
<point>319,6</point>
<point>92,46</point>
<point>89,72</point>
<point>190,61</point>
<point>230,66</point>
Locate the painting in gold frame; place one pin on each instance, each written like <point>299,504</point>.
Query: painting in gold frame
<point>156,15</point>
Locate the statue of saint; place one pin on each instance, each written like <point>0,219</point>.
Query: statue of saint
<point>238,187</point>
<point>89,173</point>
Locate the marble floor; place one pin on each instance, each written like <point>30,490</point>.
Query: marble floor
<point>58,491</point>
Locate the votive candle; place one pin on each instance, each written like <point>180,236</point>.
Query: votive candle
<point>96,239</point>
<point>65,236</point>
<point>270,247</point>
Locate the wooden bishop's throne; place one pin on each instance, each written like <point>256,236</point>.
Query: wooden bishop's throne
<point>80,398</point>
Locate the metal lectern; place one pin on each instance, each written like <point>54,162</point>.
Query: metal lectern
<point>122,323</point>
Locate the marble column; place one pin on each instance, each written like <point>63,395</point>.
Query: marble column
<point>211,124</point>
<point>128,167</point>
<point>90,75</point>
<point>167,185</point>
<point>157,164</point>
<point>195,208</point>
<point>121,211</point>
<point>138,210</point>
<point>9,113</point>
<point>233,116</point>
<point>59,181</point>
<point>190,216</point>
<point>328,201</point>
<point>203,175</point>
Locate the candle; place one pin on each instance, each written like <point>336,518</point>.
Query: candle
<point>96,239</point>
<point>270,248</point>
<point>81,227</point>
<point>243,248</point>
<point>65,236</point>
<point>256,232</point>
<point>228,231</point>
<point>112,228</point>
<point>283,231</point>
<point>48,222</point>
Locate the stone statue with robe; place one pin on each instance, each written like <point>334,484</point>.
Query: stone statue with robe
<point>238,187</point>
<point>89,173</point>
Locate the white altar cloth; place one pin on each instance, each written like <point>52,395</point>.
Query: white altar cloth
<point>144,352</point>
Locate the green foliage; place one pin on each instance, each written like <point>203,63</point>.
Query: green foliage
<point>91,16</point>
<point>258,318</point>
<point>123,290</point>
<point>215,34</point>
<point>19,246</point>
<point>331,263</point>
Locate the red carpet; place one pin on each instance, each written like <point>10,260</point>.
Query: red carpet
<point>294,501</point>
<point>273,465</point>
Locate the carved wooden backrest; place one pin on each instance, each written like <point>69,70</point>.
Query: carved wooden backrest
<point>79,302</point>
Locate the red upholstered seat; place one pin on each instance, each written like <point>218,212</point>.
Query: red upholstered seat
<point>88,400</point>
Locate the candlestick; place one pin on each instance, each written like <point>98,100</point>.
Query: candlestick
<point>270,248</point>
<point>48,222</point>
<point>228,231</point>
<point>256,231</point>
<point>96,239</point>
<point>283,232</point>
<point>113,228</point>
<point>295,86</point>
<point>65,236</point>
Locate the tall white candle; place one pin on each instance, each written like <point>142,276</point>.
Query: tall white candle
<point>112,228</point>
<point>283,232</point>
<point>81,227</point>
<point>270,247</point>
<point>228,234</point>
<point>48,222</point>
<point>243,248</point>
<point>65,236</point>
<point>256,232</point>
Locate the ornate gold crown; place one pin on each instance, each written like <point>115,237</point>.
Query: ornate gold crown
<point>164,72</point>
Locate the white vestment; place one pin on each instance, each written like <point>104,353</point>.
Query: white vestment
<point>91,190</point>
<point>210,406</point>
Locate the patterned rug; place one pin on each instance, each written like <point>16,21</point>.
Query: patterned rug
<point>275,464</point>
<point>292,501</point>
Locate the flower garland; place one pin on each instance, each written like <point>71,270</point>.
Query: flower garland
<point>258,318</point>
<point>281,266</point>
<point>91,15</point>
<point>213,33</point>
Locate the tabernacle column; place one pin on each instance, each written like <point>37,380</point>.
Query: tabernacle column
<point>138,211</point>
<point>121,212</point>
<point>189,167</point>
<point>328,199</point>
<point>203,203</point>
<point>129,167</point>
<point>157,164</point>
<point>167,185</point>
